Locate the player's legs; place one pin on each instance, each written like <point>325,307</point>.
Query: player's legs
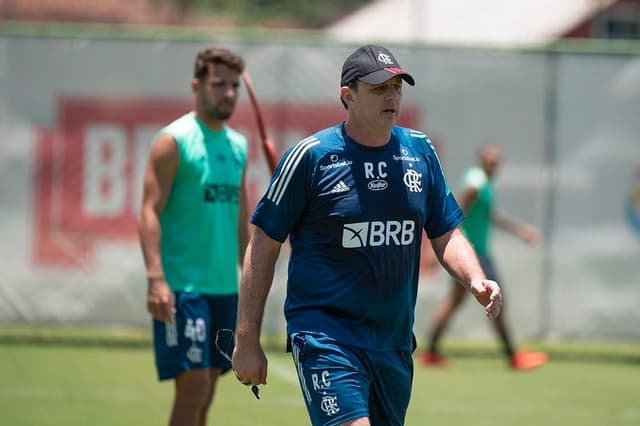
<point>214,375</point>
<point>440,321</point>
<point>185,351</point>
<point>223,312</point>
<point>194,391</point>
<point>519,360</point>
<point>192,398</point>
<point>499,324</point>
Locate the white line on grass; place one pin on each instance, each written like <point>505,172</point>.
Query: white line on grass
<point>284,372</point>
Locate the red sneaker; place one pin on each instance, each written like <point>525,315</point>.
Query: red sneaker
<point>432,359</point>
<point>525,360</point>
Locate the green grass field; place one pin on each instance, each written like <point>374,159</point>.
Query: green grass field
<point>85,378</point>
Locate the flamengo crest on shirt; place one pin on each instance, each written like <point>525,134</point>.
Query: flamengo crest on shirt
<point>413,180</point>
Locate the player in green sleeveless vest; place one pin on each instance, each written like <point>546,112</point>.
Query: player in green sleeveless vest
<point>193,232</point>
<point>477,199</point>
<point>199,241</point>
<point>477,223</point>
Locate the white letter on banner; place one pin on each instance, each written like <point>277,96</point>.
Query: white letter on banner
<point>105,153</point>
<point>143,138</point>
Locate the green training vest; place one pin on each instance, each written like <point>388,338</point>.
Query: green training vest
<point>477,224</point>
<point>199,241</point>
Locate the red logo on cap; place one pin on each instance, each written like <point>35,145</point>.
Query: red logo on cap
<point>394,70</point>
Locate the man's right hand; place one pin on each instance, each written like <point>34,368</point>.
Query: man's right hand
<point>249,364</point>
<point>160,300</point>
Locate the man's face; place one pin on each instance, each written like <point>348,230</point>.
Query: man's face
<point>378,105</point>
<point>490,159</point>
<point>217,93</point>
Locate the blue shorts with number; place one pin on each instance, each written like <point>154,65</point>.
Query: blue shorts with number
<point>189,341</point>
<point>341,383</point>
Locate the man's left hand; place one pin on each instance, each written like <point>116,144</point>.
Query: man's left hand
<point>489,295</point>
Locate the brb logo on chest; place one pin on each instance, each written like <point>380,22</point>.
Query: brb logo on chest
<point>378,233</point>
<point>221,193</point>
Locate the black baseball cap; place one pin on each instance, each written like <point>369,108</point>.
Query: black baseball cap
<point>374,65</point>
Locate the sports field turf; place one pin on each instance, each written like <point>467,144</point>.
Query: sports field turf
<point>81,381</point>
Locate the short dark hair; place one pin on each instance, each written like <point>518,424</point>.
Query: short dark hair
<point>216,55</point>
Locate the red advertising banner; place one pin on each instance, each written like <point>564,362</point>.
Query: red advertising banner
<point>90,166</point>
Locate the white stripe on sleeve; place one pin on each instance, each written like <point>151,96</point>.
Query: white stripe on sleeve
<point>280,183</point>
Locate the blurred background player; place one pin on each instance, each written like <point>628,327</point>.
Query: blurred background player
<point>477,198</point>
<point>193,231</point>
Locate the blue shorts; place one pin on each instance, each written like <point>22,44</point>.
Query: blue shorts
<point>342,383</point>
<point>189,341</point>
<point>489,268</point>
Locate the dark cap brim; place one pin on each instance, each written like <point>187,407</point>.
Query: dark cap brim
<point>380,76</point>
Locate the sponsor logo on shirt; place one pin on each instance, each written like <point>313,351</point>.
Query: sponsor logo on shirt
<point>377,185</point>
<point>343,163</point>
<point>221,193</point>
<point>377,172</point>
<point>378,233</point>
<point>406,157</point>
<point>340,187</point>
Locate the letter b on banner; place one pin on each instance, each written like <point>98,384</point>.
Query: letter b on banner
<point>105,160</point>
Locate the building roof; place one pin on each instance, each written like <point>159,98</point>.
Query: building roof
<point>486,22</point>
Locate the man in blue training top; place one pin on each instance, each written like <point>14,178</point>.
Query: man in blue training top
<point>354,200</point>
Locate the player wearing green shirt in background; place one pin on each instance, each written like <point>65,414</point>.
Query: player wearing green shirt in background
<point>193,231</point>
<point>477,199</point>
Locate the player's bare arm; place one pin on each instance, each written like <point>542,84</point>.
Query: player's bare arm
<point>522,230</point>
<point>458,257</point>
<point>467,198</point>
<point>158,180</point>
<point>249,360</point>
